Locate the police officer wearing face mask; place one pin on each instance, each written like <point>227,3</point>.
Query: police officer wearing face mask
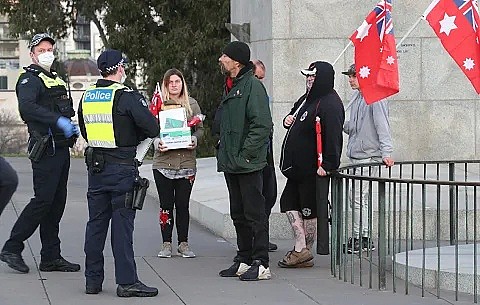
<point>47,109</point>
<point>113,120</point>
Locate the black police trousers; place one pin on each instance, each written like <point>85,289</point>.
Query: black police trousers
<point>45,209</point>
<point>247,210</point>
<point>106,197</point>
<point>8,183</point>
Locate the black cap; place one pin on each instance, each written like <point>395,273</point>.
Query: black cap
<point>39,38</point>
<point>110,60</point>
<point>238,51</point>
<point>350,71</point>
<point>311,70</point>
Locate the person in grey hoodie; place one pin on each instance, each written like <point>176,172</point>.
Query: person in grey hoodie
<point>369,141</point>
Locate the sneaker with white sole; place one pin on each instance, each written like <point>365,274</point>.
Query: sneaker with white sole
<point>256,272</point>
<point>184,250</point>
<point>166,250</point>
<point>234,270</point>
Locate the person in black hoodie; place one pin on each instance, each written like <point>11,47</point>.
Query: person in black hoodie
<point>305,197</point>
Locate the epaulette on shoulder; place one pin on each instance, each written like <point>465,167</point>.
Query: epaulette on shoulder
<point>127,89</point>
<point>31,70</point>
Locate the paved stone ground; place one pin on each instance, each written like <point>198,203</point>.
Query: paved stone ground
<point>180,281</point>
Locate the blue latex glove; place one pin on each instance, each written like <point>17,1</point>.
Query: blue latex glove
<point>77,130</point>
<point>66,126</point>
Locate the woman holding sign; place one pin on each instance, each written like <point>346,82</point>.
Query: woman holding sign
<point>174,161</point>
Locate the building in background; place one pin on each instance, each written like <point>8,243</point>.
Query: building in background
<point>78,52</point>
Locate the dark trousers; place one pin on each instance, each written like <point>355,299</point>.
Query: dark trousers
<point>106,196</point>
<point>8,183</point>
<point>323,236</point>
<point>247,209</point>
<point>269,191</point>
<point>173,193</point>
<point>50,176</point>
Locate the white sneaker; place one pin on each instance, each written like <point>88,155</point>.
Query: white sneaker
<point>264,273</point>
<point>242,269</point>
<point>256,272</point>
<point>234,270</point>
<point>184,250</point>
<point>166,250</point>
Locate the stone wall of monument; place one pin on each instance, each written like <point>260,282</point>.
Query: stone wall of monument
<point>436,115</point>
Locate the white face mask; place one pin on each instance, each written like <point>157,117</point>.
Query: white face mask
<point>46,59</point>
<point>124,77</point>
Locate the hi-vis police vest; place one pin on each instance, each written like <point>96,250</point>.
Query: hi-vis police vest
<point>97,107</point>
<point>56,97</point>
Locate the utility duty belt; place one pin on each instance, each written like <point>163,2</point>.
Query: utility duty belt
<point>61,141</point>
<point>96,159</point>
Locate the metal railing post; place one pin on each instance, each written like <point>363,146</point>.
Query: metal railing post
<point>339,216</point>
<point>382,242</point>
<point>451,205</point>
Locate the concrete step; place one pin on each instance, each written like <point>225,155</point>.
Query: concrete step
<point>210,206</point>
<point>446,275</point>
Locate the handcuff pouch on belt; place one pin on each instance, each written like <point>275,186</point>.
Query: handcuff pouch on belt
<point>39,147</point>
<point>94,160</point>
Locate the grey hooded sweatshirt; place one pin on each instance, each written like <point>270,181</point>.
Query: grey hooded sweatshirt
<point>368,129</point>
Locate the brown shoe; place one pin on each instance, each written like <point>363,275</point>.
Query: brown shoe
<point>293,258</point>
<point>308,264</point>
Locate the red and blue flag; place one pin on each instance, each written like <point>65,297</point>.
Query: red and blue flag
<point>376,54</point>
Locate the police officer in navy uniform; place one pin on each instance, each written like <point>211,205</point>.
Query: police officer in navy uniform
<point>47,109</point>
<point>113,120</point>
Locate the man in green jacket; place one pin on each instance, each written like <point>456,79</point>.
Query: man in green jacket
<point>242,154</point>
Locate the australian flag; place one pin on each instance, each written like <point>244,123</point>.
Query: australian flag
<point>455,22</point>
<point>376,54</point>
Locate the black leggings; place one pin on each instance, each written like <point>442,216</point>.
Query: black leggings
<point>173,193</point>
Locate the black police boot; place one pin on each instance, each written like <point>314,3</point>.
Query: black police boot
<point>93,289</point>
<point>59,264</point>
<point>14,261</point>
<point>137,289</point>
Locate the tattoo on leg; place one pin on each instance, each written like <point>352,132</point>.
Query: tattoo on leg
<point>296,221</point>
<point>291,217</point>
<point>310,232</point>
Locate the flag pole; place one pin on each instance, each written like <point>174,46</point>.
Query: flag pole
<point>409,32</point>
<point>344,50</point>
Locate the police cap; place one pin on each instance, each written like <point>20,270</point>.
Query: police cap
<point>109,60</point>
<point>39,38</point>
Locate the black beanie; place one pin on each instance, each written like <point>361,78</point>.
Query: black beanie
<point>238,51</point>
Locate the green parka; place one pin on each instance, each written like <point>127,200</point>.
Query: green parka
<point>245,126</point>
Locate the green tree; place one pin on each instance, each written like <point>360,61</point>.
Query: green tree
<point>156,35</point>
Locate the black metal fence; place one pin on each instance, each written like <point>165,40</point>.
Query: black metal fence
<point>414,225</point>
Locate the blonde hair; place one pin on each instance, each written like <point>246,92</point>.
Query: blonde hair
<point>183,98</point>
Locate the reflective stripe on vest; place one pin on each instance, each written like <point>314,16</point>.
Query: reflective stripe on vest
<point>48,81</point>
<point>52,82</point>
<point>97,105</point>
